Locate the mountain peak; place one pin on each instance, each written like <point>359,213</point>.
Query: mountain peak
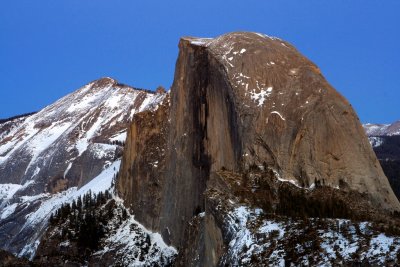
<point>63,146</point>
<point>242,102</point>
<point>104,82</point>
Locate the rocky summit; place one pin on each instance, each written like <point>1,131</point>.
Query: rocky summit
<point>246,104</point>
<point>64,146</point>
<point>251,159</point>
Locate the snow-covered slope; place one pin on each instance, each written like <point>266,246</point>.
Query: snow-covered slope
<point>49,154</point>
<point>372,129</point>
<point>376,132</point>
<point>257,240</point>
<point>49,203</point>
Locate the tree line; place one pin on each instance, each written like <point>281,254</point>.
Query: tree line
<point>83,220</point>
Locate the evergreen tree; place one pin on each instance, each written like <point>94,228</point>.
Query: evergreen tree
<point>73,206</point>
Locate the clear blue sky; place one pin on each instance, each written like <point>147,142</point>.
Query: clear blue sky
<point>50,48</point>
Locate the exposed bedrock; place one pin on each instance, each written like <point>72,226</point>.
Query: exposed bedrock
<point>239,101</point>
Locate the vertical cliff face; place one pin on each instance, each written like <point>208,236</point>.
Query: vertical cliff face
<point>141,179</point>
<point>203,136</point>
<point>240,101</point>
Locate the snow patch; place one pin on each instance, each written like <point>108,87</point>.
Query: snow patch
<point>267,36</point>
<point>8,210</point>
<point>8,190</point>
<point>200,41</point>
<point>261,96</point>
<point>279,114</point>
<point>50,203</point>
<point>130,238</point>
<point>67,169</point>
<point>375,141</point>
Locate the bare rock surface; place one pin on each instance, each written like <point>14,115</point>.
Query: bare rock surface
<point>238,102</point>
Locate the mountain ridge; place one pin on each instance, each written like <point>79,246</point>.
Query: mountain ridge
<point>63,146</point>
<point>251,159</point>
<point>376,129</point>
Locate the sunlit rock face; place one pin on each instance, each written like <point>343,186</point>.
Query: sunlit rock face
<point>239,101</point>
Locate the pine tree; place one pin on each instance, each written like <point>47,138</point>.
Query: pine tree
<point>79,203</point>
<point>124,215</point>
<point>52,220</point>
<point>73,206</point>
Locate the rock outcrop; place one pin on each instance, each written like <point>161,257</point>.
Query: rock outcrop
<point>238,102</point>
<point>144,164</point>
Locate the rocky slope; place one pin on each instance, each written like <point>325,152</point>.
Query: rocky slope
<point>100,232</point>
<point>46,156</point>
<point>244,102</point>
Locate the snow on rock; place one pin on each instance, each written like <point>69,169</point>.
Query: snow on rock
<point>7,211</point>
<point>380,245</point>
<point>267,36</point>
<point>67,169</point>
<point>135,245</point>
<point>382,129</point>
<point>47,137</point>
<point>269,227</point>
<point>60,147</point>
<point>200,41</point>
<point>279,114</point>
<point>375,129</point>
<point>65,144</point>
<point>93,114</point>
<point>375,141</point>
<point>8,190</point>
<point>244,241</point>
<point>260,240</point>
<point>293,182</point>
<point>49,203</point>
<point>261,96</point>
<point>120,137</point>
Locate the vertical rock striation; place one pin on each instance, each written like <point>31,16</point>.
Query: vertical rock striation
<point>239,101</point>
<point>141,180</point>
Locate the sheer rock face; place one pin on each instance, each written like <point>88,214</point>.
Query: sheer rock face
<point>140,179</point>
<point>244,100</point>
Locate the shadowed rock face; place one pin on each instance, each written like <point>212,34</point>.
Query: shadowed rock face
<point>243,100</point>
<point>204,135</point>
<point>140,180</point>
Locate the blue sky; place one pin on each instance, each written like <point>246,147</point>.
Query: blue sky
<point>51,48</point>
